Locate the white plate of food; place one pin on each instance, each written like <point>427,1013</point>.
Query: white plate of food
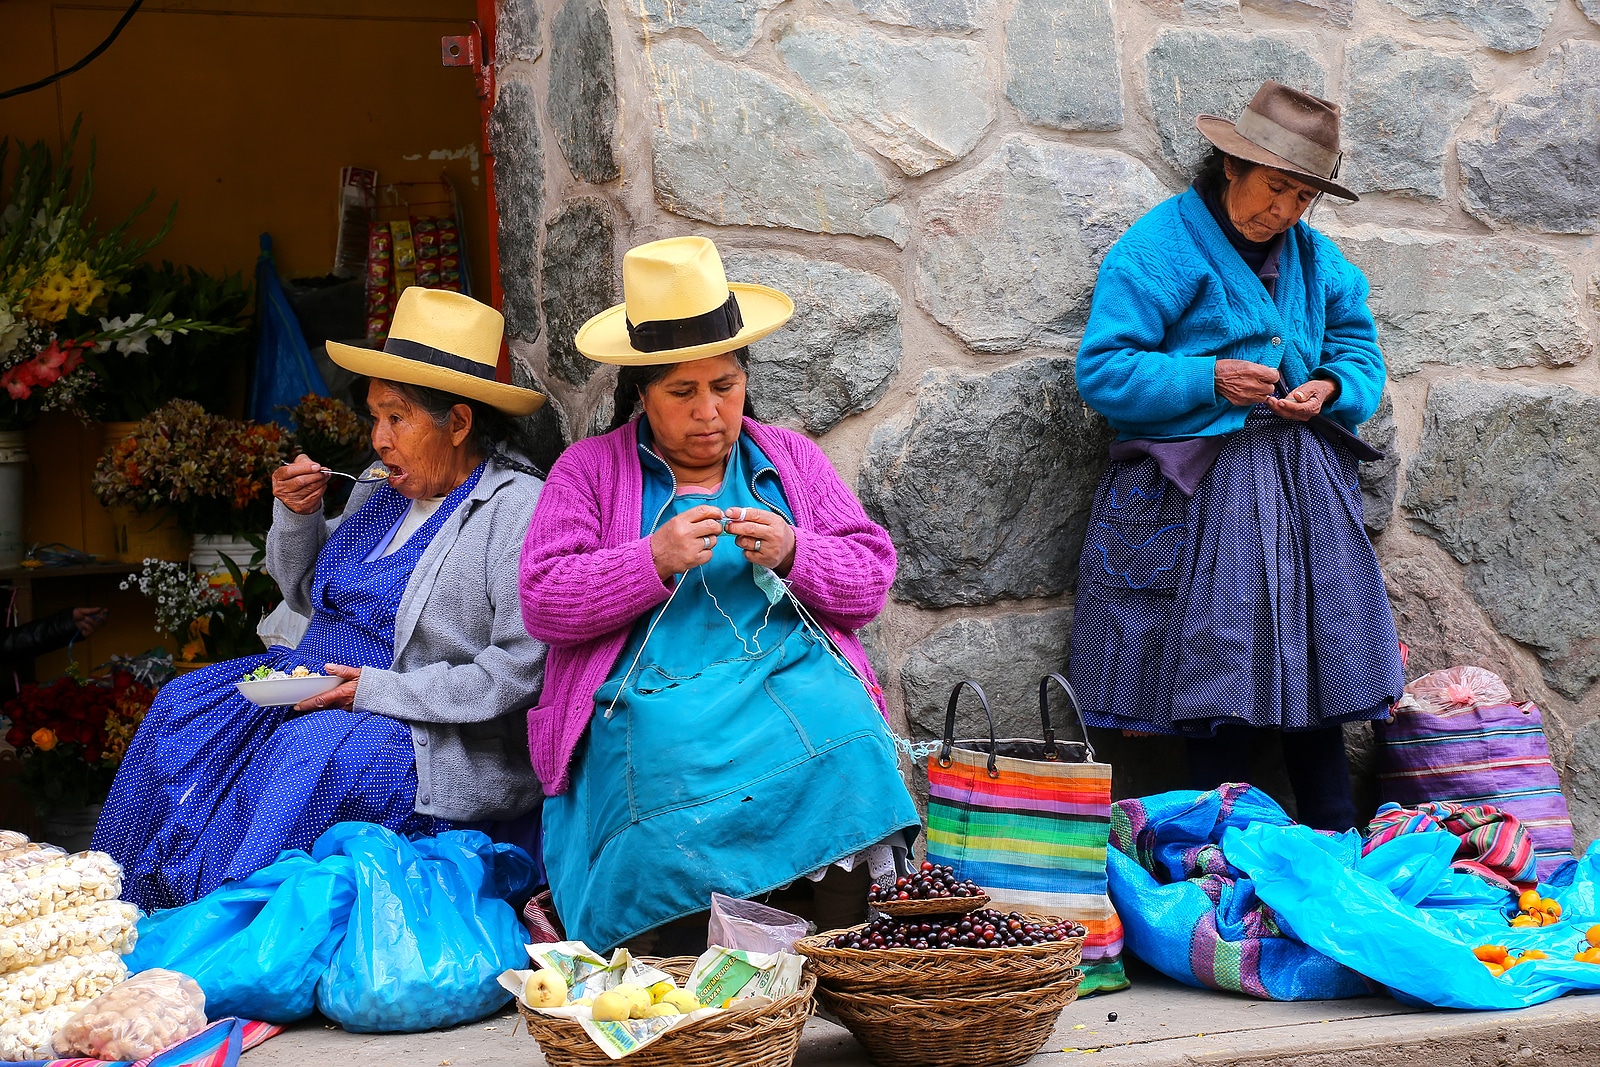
<point>271,689</point>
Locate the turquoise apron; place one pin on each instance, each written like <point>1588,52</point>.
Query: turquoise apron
<point>737,755</point>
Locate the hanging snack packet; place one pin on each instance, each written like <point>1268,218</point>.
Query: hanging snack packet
<point>425,235</point>
<point>405,255</point>
<point>380,279</point>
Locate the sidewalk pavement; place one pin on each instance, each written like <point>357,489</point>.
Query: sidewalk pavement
<point>1159,1023</point>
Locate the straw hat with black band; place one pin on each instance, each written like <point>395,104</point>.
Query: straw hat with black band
<point>678,305</point>
<point>1288,130</point>
<point>445,341</point>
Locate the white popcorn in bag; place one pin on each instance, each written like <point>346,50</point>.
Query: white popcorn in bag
<point>28,1037</point>
<point>104,926</point>
<point>60,982</point>
<point>154,1010</point>
<point>57,884</point>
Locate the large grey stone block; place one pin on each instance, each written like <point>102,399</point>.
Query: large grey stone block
<point>1582,782</point>
<point>1534,163</point>
<point>1402,106</point>
<point>519,195</point>
<point>1006,655</point>
<point>1063,70</point>
<point>578,282</point>
<point>838,353</point>
<point>1504,25</point>
<point>926,101</point>
<point>1591,10</point>
<point>545,430</point>
<point>517,34</point>
<point>583,90</point>
<point>923,14</point>
<point>1468,301</point>
<point>1011,248</point>
<point>734,147</point>
<point>1206,72</point>
<point>731,25</point>
<point>1508,479</point>
<point>1337,12</point>
<point>985,484</point>
<point>1380,478</point>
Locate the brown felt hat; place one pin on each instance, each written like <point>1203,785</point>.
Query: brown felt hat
<point>1284,128</point>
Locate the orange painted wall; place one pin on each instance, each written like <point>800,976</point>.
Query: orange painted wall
<point>244,110</point>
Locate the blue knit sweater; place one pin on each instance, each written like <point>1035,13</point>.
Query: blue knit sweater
<point>1173,297</point>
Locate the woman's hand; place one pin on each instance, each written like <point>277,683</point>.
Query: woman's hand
<point>342,697</point>
<point>88,620</point>
<point>1244,384</point>
<point>685,542</point>
<point>1307,400</point>
<point>766,538</point>
<point>300,485</point>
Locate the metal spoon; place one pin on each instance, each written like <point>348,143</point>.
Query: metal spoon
<point>375,473</point>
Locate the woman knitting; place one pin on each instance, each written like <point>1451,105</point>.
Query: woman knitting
<point>709,721</point>
<point>1227,586</point>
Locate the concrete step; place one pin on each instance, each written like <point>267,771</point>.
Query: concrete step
<point>1159,1024</point>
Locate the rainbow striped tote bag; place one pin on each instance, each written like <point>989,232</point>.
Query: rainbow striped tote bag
<point>1028,821</point>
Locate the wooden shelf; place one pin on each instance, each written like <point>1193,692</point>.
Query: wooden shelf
<point>68,570</point>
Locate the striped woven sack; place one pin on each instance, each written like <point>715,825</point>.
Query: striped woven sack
<point>1027,820</point>
<point>1491,753</point>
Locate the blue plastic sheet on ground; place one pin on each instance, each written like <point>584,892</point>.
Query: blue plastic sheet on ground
<point>1403,919</point>
<point>1196,918</point>
<point>379,933</point>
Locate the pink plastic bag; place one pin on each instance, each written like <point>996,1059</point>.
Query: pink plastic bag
<point>744,924</point>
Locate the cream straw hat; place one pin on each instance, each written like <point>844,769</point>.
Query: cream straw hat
<point>445,341</point>
<point>678,305</point>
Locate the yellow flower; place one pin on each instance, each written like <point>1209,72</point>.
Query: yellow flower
<point>86,288</point>
<point>44,738</point>
<point>49,299</point>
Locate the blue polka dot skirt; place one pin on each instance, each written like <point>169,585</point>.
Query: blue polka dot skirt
<point>214,787</point>
<point>1257,601</point>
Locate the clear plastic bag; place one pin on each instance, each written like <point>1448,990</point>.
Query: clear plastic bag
<point>104,926</point>
<point>64,980</point>
<point>753,927</point>
<point>28,1037</point>
<point>57,884</point>
<point>149,1012</point>
<point>1458,689</point>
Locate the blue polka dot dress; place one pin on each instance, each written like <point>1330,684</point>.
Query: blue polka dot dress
<point>214,787</point>
<point>1257,602</point>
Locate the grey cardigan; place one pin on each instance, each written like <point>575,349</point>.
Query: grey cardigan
<point>465,670</point>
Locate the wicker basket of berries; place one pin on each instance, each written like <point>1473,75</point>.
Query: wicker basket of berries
<point>932,890</point>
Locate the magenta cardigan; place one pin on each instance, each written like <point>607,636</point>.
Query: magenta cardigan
<point>587,575</point>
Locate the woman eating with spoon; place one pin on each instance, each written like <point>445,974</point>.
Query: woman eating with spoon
<point>415,621</point>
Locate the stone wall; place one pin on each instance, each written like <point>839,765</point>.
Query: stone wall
<point>935,182</point>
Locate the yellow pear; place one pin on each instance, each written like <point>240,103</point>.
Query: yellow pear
<point>546,988</point>
<point>638,996</point>
<point>682,1000</point>
<point>660,990</point>
<point>611,1006</point>
<point>660,1011</point>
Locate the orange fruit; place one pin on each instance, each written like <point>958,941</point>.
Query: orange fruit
<point>1531,954</point>
<point>1551,908</point>
<point>1593,936</point>
<point>1495,969</point>
<point>1491,953</point>
<point>1525,921</point>
<point>1528,900</point>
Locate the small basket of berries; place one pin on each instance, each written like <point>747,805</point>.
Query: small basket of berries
<point>932,890</point>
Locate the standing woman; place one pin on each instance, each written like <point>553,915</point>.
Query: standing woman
<point>709,721</point>
<point>1227,585</point>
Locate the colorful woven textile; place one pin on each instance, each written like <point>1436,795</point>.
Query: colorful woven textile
<point>1035,838</point>
<point>218,1045</point>
<point>1494,843</point>
<point>1195,917</point>
<point>1493,754</point>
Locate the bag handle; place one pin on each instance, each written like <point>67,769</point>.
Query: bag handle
<point>1044,716</point>
<point>950,725</point>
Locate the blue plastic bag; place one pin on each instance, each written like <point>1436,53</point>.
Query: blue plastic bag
<point>285,371</point>
<point>1421,951</point>
<point>258,946</point>
<point>380,933</point>
<point>1188,912</point>
<point>427,936</point>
